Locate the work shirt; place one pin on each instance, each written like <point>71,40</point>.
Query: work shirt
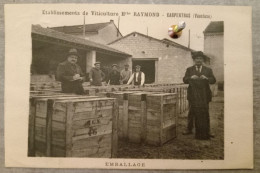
<point>125,75</point>
<point>138,80</point>
<point>97,76</point>
<point>114,77</point>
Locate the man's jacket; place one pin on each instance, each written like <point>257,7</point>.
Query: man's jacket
<point>200,85</point>
<point>65,73</point>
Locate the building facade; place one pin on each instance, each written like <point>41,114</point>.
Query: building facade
<point>214,48</point>
<point>162,61</point>
<point>98,32</point>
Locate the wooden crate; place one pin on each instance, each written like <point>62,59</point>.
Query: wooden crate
<point>136,114</point>
<point>122,98</point>
<point>161,118</point>
<point>37,122</point>
<point>81,127</point>
<point>90,128</point>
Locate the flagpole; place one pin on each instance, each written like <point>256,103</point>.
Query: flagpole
<point>84,30</point>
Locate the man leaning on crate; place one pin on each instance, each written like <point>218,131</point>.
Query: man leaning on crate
<point>70,74</point>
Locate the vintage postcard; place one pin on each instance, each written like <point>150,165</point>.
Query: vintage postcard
<point>114,86</point>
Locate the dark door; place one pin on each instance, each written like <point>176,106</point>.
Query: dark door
<point>148,67</point>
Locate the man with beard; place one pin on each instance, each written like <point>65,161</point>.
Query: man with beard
<point>70,74</point>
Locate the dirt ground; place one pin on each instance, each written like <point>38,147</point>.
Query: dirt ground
<point>185,146</point>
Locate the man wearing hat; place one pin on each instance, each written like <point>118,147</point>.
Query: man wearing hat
<point>114,76</point>
<point>70,74</point>
<point>138,77</point>
<point>96,76</point>
<point>125,74</point>
<point>199,78</point>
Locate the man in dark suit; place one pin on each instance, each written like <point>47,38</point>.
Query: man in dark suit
<point>70,74</point>
<point>199,95</point>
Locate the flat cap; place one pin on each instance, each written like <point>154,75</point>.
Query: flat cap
<point>97,63</point>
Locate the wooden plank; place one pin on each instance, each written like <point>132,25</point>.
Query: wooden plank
<point>49,127</point>
<point>58,142</point>
<point>88,106</point>
<point>58,151</point>
<point>94,141</point>
<point>93,152</point>
<point>40,146</point>
<point>40,130</point>
<point>161,121</point>
<point>94,130</point>
<point>31,135</point>
<point>69,132</point>
<point>93,122</point>
<point>168,133</point>
<point>115,129</point>
<point>143,117</point>
<point>125,115</point>
<point>58,125</point>
<point>94,113</point>
<point>168,112</point>
<point>40,121</point>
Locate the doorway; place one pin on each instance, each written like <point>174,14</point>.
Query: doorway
<point>148,67</point>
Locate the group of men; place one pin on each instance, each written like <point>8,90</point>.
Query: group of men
<point>198,76</point>
<point>71,76</point>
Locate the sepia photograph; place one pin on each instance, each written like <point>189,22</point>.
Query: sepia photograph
<point>116,86</point>
<point>168,94</point>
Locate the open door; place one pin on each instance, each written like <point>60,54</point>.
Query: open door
<point>148,67</point>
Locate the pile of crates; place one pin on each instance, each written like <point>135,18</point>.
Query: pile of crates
<point>68,125</point>
<point>146,117</point>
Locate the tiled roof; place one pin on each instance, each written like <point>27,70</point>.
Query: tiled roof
<point>38,30</point>
<point>165,41</point>
<point>215,27</point>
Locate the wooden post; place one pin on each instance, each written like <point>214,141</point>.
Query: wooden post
<point>114,128</point>
<point>69,118</point>
<point>31,130</point>
<point>181,98</point>
<point>143,118</point>
<point>161,121</point>
<point>125,115</point>
<point>49,126</point>
<point>178,99</point>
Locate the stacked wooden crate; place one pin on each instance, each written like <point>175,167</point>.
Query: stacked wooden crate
<point>74,127</point>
